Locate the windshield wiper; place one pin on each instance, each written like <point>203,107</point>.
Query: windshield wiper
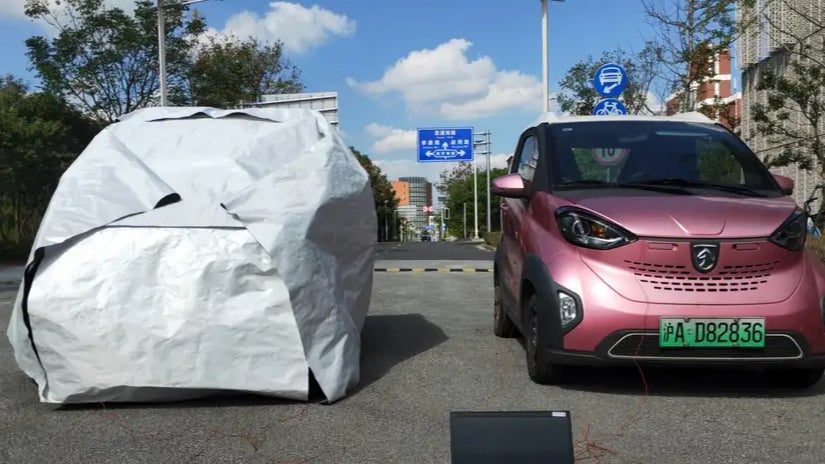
<point>680,182</point>
<point>591,183</point>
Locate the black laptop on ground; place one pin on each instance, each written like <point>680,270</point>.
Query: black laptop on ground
<point>511,437</point>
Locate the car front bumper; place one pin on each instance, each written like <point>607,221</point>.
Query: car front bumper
<point>635,347</point>
<point>616,330</point>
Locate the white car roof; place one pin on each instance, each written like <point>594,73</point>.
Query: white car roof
<point>695,116</point>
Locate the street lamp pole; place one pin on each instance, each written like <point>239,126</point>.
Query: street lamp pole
<point>475,198</point>
<point>545,65</point>
<point>162,51</point>
<point>162,44</point>
<point>488,188</point>
<point>545,62</point>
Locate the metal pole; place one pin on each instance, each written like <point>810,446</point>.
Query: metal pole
<point>545,65</point>
<point>162,52</point>
<point>489,154</point>
<point>475,197</point>
<point>465,220</point>
<point>441,226</point>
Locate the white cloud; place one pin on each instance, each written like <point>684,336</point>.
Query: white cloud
<point>447,81</point>
<point>654,103</point>
<point>390,139</point>
<point>300,28</point>
<point>11,8</point>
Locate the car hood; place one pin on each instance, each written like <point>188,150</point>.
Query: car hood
<point>691,215</point>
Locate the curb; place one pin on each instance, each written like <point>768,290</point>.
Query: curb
<point>432,269</point>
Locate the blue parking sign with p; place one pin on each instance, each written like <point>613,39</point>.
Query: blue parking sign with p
<point>610,80</point>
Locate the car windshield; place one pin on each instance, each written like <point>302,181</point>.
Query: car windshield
<point>665,156</point>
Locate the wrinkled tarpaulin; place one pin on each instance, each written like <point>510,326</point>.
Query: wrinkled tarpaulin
<point>192,250</point>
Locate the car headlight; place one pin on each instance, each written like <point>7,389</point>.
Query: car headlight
<point>792,234</point>
<point>586,230</point>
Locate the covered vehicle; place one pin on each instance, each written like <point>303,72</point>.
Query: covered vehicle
<point>194,250</point>
<point>652,239</point>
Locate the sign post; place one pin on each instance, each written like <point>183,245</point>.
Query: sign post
<point>449,145</point>
<point>610,80</point>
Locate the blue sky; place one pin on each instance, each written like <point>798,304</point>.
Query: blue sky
<point>398,65</point>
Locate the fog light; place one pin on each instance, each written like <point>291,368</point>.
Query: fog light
<point>568,311</point>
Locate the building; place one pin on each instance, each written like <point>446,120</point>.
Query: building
<point>324,102</point>
<point>773,26</point>
<point>414,192</point>
<point>402,192</point>
<point>717,89</point>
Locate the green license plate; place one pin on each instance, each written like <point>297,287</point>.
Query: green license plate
<point>682,332</point>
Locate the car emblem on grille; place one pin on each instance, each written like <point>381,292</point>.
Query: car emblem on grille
<point>705,256</point>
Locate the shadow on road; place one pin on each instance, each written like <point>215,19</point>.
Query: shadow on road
<point>388,340</point>
<point>719,382</point>
<point>682,382</point>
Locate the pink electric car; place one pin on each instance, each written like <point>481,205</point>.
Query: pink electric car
<point>654,240</point>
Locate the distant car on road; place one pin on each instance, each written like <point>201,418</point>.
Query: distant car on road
<point>654,240</point>
<point>426,238</point>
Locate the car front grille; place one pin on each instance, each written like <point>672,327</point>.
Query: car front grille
<point>735,278</point>
<point>646,346</point>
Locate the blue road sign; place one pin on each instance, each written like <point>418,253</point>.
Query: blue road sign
<point>445,145</point>
<point>610,80</point>
<point>609,107</point>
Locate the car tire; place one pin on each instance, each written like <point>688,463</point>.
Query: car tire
<point>795,378</point>
<point>502,325</point>
<point>539,367</point>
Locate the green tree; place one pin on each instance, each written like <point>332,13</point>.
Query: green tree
<point>579,97</point>
<point>691,33</point>
<point>40,135</point>
<point>457,185</point>
<point>385,199</point>
<point>105,60</point>
<point>224,72</point>
<point>793,116</point>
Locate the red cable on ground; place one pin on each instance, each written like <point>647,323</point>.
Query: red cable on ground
<point>596,452</point>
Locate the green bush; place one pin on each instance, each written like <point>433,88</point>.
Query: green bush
<point>492,238</point>
<point>14,252</point>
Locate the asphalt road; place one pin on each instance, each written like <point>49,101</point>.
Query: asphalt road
<point>428,349</point>
<point>423,251</point>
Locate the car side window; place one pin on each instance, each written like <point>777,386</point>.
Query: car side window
<point>528,158</point>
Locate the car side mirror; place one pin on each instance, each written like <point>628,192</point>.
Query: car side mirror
<point>509,186</point>
<point>785,183</point>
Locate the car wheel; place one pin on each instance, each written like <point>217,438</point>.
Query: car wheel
<point>502,325</point>
<point>795,378</point>
<point>540,369</point>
